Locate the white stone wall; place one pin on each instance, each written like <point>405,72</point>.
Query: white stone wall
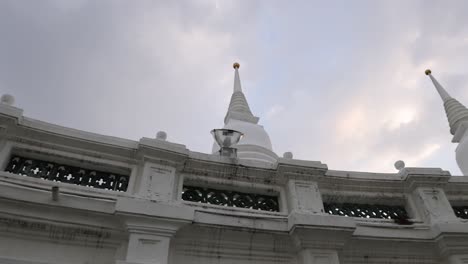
<point>150,223</point>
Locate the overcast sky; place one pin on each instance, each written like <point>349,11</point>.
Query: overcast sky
<point>337,81</point>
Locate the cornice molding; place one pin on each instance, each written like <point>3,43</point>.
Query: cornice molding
<point>320,231</point>
<point>424,177</point>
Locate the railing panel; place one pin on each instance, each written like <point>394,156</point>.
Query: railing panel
<point>68,174</point>
<point>367,210</point>
<point>230,198</point>
<point>461,211</point>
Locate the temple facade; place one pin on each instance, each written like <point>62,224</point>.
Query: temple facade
<point>74,197</point>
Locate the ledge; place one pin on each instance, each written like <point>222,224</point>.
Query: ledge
<point>256,222</point>
<point>11,111</point>
<point>19,181</point>
<point>39,192</point>
<point>153,209</point>
<point>163,145</point>
<point>302,163</point>
<point>451,237</point>
<point>321,231</point>
<point>76,133</point>
<point>321,221</point>
<point>424,177</point>
<point>363,175</point>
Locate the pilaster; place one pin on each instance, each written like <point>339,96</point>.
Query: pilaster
<point>5,152</point>
<point>304,197</point>
<point>158,182</point>
<point>458,259</point>
<point>320,238</point>
<point>150,228</point>
<point>313,256</point>
<point>425,189</point>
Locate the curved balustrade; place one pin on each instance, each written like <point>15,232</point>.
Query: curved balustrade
<point>230,198</point>
<point>367,210</point>
<point>68,174</point>
<point>461,211</point>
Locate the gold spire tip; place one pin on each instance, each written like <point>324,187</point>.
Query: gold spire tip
<point>428,72</point>
<point>236,65</point>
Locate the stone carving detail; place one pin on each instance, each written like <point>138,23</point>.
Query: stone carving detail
<point>230,198</point>
<point>367,210</point>
<point>68,174</point>
<point>461,211</point>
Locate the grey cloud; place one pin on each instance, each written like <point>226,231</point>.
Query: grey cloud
<point>120,68</point>
<point>129,69</point>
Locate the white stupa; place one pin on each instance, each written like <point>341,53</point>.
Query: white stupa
<point>255,145</point>
<point>457,115</point>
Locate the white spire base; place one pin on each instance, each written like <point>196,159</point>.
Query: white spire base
<point>255,145</point>
<point>241,116</point>
<point>256,153</point>
<point>461,136</point>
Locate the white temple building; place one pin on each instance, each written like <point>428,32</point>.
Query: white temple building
<point>74,197</point>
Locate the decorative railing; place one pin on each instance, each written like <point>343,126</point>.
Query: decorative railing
<point>367,211</point>
<point>230,198</point>
<point>461,211</point>
<point>68,174</point>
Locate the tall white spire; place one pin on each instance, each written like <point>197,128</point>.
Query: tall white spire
<point>237,83</point>
<point>457,116</point>
<point>238,107</point>
<point>442,92</point>
<point>456,112</point>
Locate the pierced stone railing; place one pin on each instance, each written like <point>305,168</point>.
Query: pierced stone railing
<point>68,174</point>
<point>367,211</point>
<point>461,211</point>
<point>230,198</point>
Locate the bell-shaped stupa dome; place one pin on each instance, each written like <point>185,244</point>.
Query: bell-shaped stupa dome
<point>255,144</point>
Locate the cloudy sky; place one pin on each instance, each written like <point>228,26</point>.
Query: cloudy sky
<point>337,81</point>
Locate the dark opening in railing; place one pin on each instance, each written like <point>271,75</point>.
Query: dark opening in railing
<point>68,174</point>
<point>367,210</point>
<point>230,198</point>
<point>461,211</point>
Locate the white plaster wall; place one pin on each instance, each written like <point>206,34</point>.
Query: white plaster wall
<point>205,245</point>
<point>209,234</point>
<point>53,252</point>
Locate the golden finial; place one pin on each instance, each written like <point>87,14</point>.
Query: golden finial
<point>428,72</point>
<point>236,65</point>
